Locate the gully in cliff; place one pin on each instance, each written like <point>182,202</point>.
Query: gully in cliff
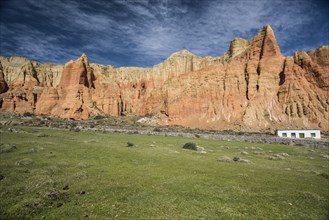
<point>251,87</point>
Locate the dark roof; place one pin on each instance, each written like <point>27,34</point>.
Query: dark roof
<point>299,129</point>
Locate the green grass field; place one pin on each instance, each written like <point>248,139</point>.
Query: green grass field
<point>94,175</point>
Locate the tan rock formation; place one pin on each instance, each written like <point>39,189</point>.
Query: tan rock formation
<point>3,83</point>
<point>252,87</point>
<point>26,80</point>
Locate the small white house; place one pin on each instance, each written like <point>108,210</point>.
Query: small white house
<point>300,133</point>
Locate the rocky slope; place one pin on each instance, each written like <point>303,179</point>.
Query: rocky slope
<point>252,87</point>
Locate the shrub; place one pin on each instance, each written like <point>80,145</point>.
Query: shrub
<point>130,144</point>
<point>75,129</point>
<point>236,159</point>
<point>190,146</point>
<point>157,129</point>
<point>27,114</point>
<point>98,117</point>
<point>325,175</point>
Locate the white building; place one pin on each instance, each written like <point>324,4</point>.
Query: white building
<point>300,133</point>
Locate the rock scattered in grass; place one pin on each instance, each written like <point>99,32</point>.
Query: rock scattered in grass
<point>81,175</point>
<point>244,161</point>
<point>243,175</point>
<point>198,148</point>
<point>41,135</point>
<point>240,160</point>
<point>244,153</point>
<point>225,159</point>
<point>174,151</point>
<point>83,165</point>
<point>276,157</point>
<point>311,158</point>
<point>5,148</point>
<point>81,192</point>
<point>283,154</point>
<point>24,162</point>
<point>279,156</point>
<point>288,169</point>
<point>258,152</point>
<point>34,150</point>
<point>325,156</point>
<point>202,152</point>
<point>130,144</point>
<point>12,130</point>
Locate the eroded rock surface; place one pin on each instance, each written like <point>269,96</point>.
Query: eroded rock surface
<point>252,87</point>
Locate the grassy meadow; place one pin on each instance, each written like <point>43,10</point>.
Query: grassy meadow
<point>61,174</point>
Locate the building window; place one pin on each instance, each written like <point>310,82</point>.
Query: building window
<point>313,135</point>
<point>301,135</point>
<point>293,135</point>
<point>284,134</point>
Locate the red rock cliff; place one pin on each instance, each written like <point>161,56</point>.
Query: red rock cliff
<point>252,87</point>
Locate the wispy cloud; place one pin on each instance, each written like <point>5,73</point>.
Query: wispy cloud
<point>145,32</point>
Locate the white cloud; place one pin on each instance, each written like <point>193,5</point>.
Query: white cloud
<point>146,32</point>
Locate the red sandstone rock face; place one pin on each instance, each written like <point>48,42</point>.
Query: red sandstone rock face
<point>252,87</point>
<point>77,73</point>
<point>72,97</point>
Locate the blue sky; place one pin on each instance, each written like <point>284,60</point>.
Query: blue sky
<point>145,32</point>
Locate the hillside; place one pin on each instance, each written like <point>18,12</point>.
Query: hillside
<point>252,87</point>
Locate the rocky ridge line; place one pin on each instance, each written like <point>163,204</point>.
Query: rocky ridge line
<point>252,87</point>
